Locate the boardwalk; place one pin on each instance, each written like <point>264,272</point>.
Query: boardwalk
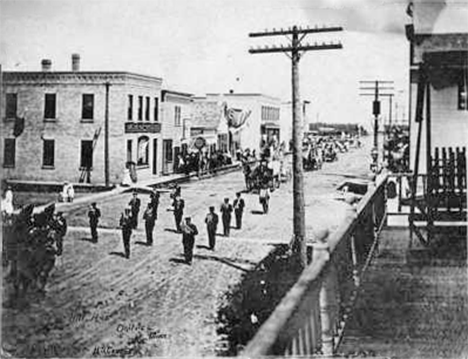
<point>413,304</point>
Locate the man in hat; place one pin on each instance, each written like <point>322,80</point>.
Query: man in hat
<point>94,214</point>
<point>239,205</point>
<point>150,218</point>
<point>154,202</point>
<point>226,210</point>
<point>189,231</point>
<point>178,206</point>
<point>211,221</point>
<point>126,223</point>
<point>135,205</point>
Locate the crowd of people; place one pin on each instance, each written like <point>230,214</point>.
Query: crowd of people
<point>201,162</point>
<point>183,225</point>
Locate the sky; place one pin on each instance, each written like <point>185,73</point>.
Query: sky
<point>201,46</point>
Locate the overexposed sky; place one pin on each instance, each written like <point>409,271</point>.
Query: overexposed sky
<point>201,46</point>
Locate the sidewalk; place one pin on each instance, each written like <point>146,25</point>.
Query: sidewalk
<point>145,185</point>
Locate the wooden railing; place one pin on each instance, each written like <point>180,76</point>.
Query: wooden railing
<point>312,316</point>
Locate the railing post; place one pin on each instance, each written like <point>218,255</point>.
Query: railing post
<point>326,314</point>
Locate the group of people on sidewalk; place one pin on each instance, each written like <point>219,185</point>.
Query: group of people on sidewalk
<point>129,220</point>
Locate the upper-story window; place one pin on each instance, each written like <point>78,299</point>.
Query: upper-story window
<point>11,105</point>
<point>130,108</point>
<point>147,109</point>
<point>156,109</point>
<point>140,108</point>
<point>50,106</point>
<point>87,110</point>
<point>462,95</point>
<point>177,121</point>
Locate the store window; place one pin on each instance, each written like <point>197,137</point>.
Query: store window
<point>463,95</point>
<point>143,151</point>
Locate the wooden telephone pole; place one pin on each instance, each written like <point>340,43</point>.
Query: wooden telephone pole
<point>294,51</point>
<point>376,93</point>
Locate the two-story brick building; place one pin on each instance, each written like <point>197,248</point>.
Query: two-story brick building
<point>79,126</point>
<point>176,114</point>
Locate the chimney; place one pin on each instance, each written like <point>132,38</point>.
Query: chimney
<point>46,65</point>
<point>75,62</point>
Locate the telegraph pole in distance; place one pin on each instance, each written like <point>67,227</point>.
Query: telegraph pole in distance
<point>294,51</point>
<point>379,85</point>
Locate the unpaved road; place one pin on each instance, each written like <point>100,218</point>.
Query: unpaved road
<point>101,304</point>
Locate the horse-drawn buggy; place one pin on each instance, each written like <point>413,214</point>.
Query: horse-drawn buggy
<point>31,244</point>
<point>259,174</point>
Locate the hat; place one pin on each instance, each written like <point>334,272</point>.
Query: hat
<point>188,218</point>
<point>211,208</point>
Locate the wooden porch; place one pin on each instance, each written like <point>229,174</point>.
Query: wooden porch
<point>412,303</point>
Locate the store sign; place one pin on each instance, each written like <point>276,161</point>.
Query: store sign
<point>142,127</point>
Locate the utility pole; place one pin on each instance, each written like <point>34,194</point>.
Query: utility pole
<point>390,108</point>
<point>379,86</point>
<point>106,137</point>
<point>294,51</point>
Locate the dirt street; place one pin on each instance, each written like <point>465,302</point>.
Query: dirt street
<point>100,304</point>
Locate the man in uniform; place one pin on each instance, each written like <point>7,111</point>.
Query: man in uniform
<point>154,202</point>
<point>239,205</point>
<point>94,214</point>
<point>226,210</point>
<point>150,218</point>
<point>178,206</point>
<point>211,221</point>
<point>189,231</point>
<point>126,223</point>
<point>135,204</point>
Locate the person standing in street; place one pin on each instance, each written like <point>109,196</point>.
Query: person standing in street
<point>239,205</point>
<point>126,223</point>
<point>264,198</point>
<point>150,218</point>
<point>189,231</point>
<point>135,205</point>
<point>178,206</point>
<point>94,214</point>
<point>154,202</point>
<point>226,210</point>
<point>211,221</point>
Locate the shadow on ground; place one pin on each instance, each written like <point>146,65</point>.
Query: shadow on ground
<point>249,303</point>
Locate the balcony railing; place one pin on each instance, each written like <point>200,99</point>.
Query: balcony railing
<point>311,318</point>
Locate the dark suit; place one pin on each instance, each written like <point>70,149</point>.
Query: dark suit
<point>226,210</point>
<point>94,214</point>
<point>150,219</point>
<point>178,212</point>
<point>135,204</point>
<point>189,231</point>
<point>239,205</point>
<point>126,223</point>
<point>211,221</point>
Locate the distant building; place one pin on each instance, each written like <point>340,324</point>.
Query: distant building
<point>438,39</point>
<point>253,119</point>
<point>176,114</point>
<point>53,125</point>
